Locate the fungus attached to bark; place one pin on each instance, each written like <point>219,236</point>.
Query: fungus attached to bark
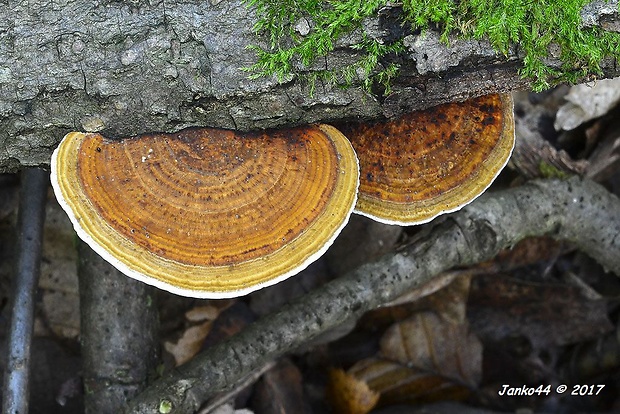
<point>431,162</point>
<point>208,212</point>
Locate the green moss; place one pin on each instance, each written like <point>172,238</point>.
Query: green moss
<point>549,171</point>
<point>531,25</point>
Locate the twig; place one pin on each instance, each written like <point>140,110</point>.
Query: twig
<point>33,194</point>
<point>576,210</point>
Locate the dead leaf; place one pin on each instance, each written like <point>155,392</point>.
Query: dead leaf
<point>349,395</point>
<point>189,344</point>
<point>203,313</point>
<point>230,321</point>
<point>447,296</point>
<point>192,339</point>
<point>435,345</point>
<point>423,359</point>
<point>546,314</point>
<point>280,390</point>
<point>400,384</point>
<point>528,251</point>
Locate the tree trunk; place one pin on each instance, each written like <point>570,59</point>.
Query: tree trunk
<point>129,67</point>
<point>119,334</point>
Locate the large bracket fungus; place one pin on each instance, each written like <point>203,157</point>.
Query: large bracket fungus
<point>431,162</point>
<point>215,213</point>
<point>208,212</point>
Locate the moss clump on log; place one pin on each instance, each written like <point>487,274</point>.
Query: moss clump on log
<point>534,27</point>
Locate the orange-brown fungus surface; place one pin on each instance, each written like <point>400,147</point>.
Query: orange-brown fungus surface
<point>434,161</point>
<point>209,212</point>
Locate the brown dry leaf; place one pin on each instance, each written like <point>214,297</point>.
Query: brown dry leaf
<point>231,320</point>
<point>399,384</point>
<point>189,344</point>
<point>424,358</point>
<point>435,345</point>
<point>526,252</point>
<point>192,339</point>
<point>349,395</point>
<point>548,315</point>
<point>280,390</point>
<point>448,297</point>
<point>203,313</point>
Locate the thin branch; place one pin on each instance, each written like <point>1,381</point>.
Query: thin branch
<point>576,210</point>
<point>33,195</point>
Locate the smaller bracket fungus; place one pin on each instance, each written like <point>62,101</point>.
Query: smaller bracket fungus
<point>207,212</point>
<point>431,162</point>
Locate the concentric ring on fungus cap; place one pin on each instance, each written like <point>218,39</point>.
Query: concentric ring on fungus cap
<point>205,212</point>
<point>433,161</point>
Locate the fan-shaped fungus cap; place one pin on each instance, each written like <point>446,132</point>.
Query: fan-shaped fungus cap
<point>207,212</point>
<point>431,162</point>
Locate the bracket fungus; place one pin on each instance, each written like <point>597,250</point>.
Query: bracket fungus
<point>208,212</point>
<point>431,162</point>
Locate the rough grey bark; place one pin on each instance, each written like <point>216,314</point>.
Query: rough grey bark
<point>119,334</point>
<point>575,210</point>
<point>126,67</point>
